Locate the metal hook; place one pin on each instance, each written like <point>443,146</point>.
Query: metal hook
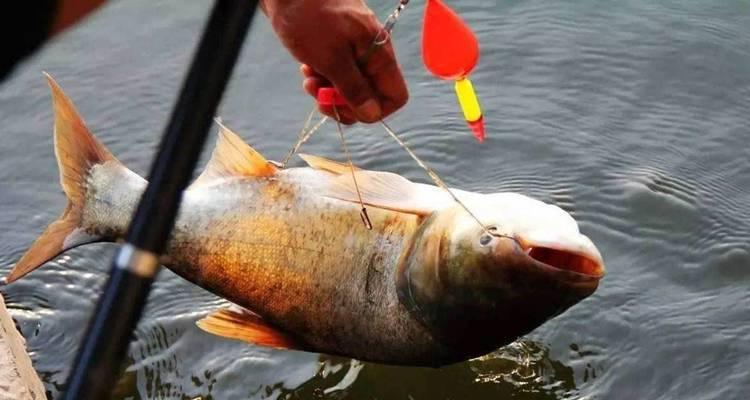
<point>365,218</point>
<point>382,37</point>
<point>363,212</point>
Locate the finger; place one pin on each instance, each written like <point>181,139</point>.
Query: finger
<point>308,72</point>
<point>354,86</point>
<point>346,115</point>
<point>305,70</point>
<point>384,73</point>
<point>311,85</point>
<point>312,81</point>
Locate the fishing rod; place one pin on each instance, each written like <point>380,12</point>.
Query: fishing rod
<point>136,263</point>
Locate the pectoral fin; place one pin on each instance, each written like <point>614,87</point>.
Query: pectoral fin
<point>379,189</point>
<point>386,190</point>
<point>240,324</point>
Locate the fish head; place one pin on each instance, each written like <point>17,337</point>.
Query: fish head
<point>478,287</point>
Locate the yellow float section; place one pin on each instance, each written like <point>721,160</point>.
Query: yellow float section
<point>467,99</point>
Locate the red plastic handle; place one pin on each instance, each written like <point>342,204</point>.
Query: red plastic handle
<point>328,96</point>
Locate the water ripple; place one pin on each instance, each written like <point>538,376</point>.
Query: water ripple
<point>631,115</point>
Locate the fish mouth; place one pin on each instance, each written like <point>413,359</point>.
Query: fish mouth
<point>572,254</point>
<point>565,260</point>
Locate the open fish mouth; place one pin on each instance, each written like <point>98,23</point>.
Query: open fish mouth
<point>567,260</point>
<point>572,253</point>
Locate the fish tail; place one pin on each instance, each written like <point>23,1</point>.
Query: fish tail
<point>77,152</point>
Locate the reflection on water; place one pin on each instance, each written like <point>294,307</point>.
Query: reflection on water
<point>524,368</point>
<point>167,371</point>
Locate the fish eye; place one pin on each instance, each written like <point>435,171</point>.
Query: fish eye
<point>485,239</point>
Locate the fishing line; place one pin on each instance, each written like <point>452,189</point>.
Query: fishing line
<point>304,136</point>
<point>385,34</point>
<point>296,146</point>
<point>363,210</point>
<point>382,38</point>
<point>435,177</point>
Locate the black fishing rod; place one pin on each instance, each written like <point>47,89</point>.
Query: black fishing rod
<point>136,263</point>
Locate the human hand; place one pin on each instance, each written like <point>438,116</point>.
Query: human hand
<point>329,38</point>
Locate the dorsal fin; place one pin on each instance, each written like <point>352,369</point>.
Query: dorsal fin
<point>325,164</point>
<point>233,157</point>
<point>237,323</point>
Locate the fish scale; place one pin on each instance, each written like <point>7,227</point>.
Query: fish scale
<point>277,257</point>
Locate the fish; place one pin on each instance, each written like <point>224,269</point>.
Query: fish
<point>426,286</point>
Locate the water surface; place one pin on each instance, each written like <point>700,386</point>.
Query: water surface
<point>632,115</point>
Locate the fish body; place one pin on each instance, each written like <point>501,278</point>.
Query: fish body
<point>426,286</point>
<point>303,261</point>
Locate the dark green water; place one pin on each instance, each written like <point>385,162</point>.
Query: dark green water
<point>633,115</point>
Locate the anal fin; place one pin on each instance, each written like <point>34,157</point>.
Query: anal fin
<point>240,324</point>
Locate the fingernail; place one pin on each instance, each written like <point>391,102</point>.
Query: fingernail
<point>369,110</point>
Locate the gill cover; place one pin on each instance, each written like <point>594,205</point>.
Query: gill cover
<point>474,297</point>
